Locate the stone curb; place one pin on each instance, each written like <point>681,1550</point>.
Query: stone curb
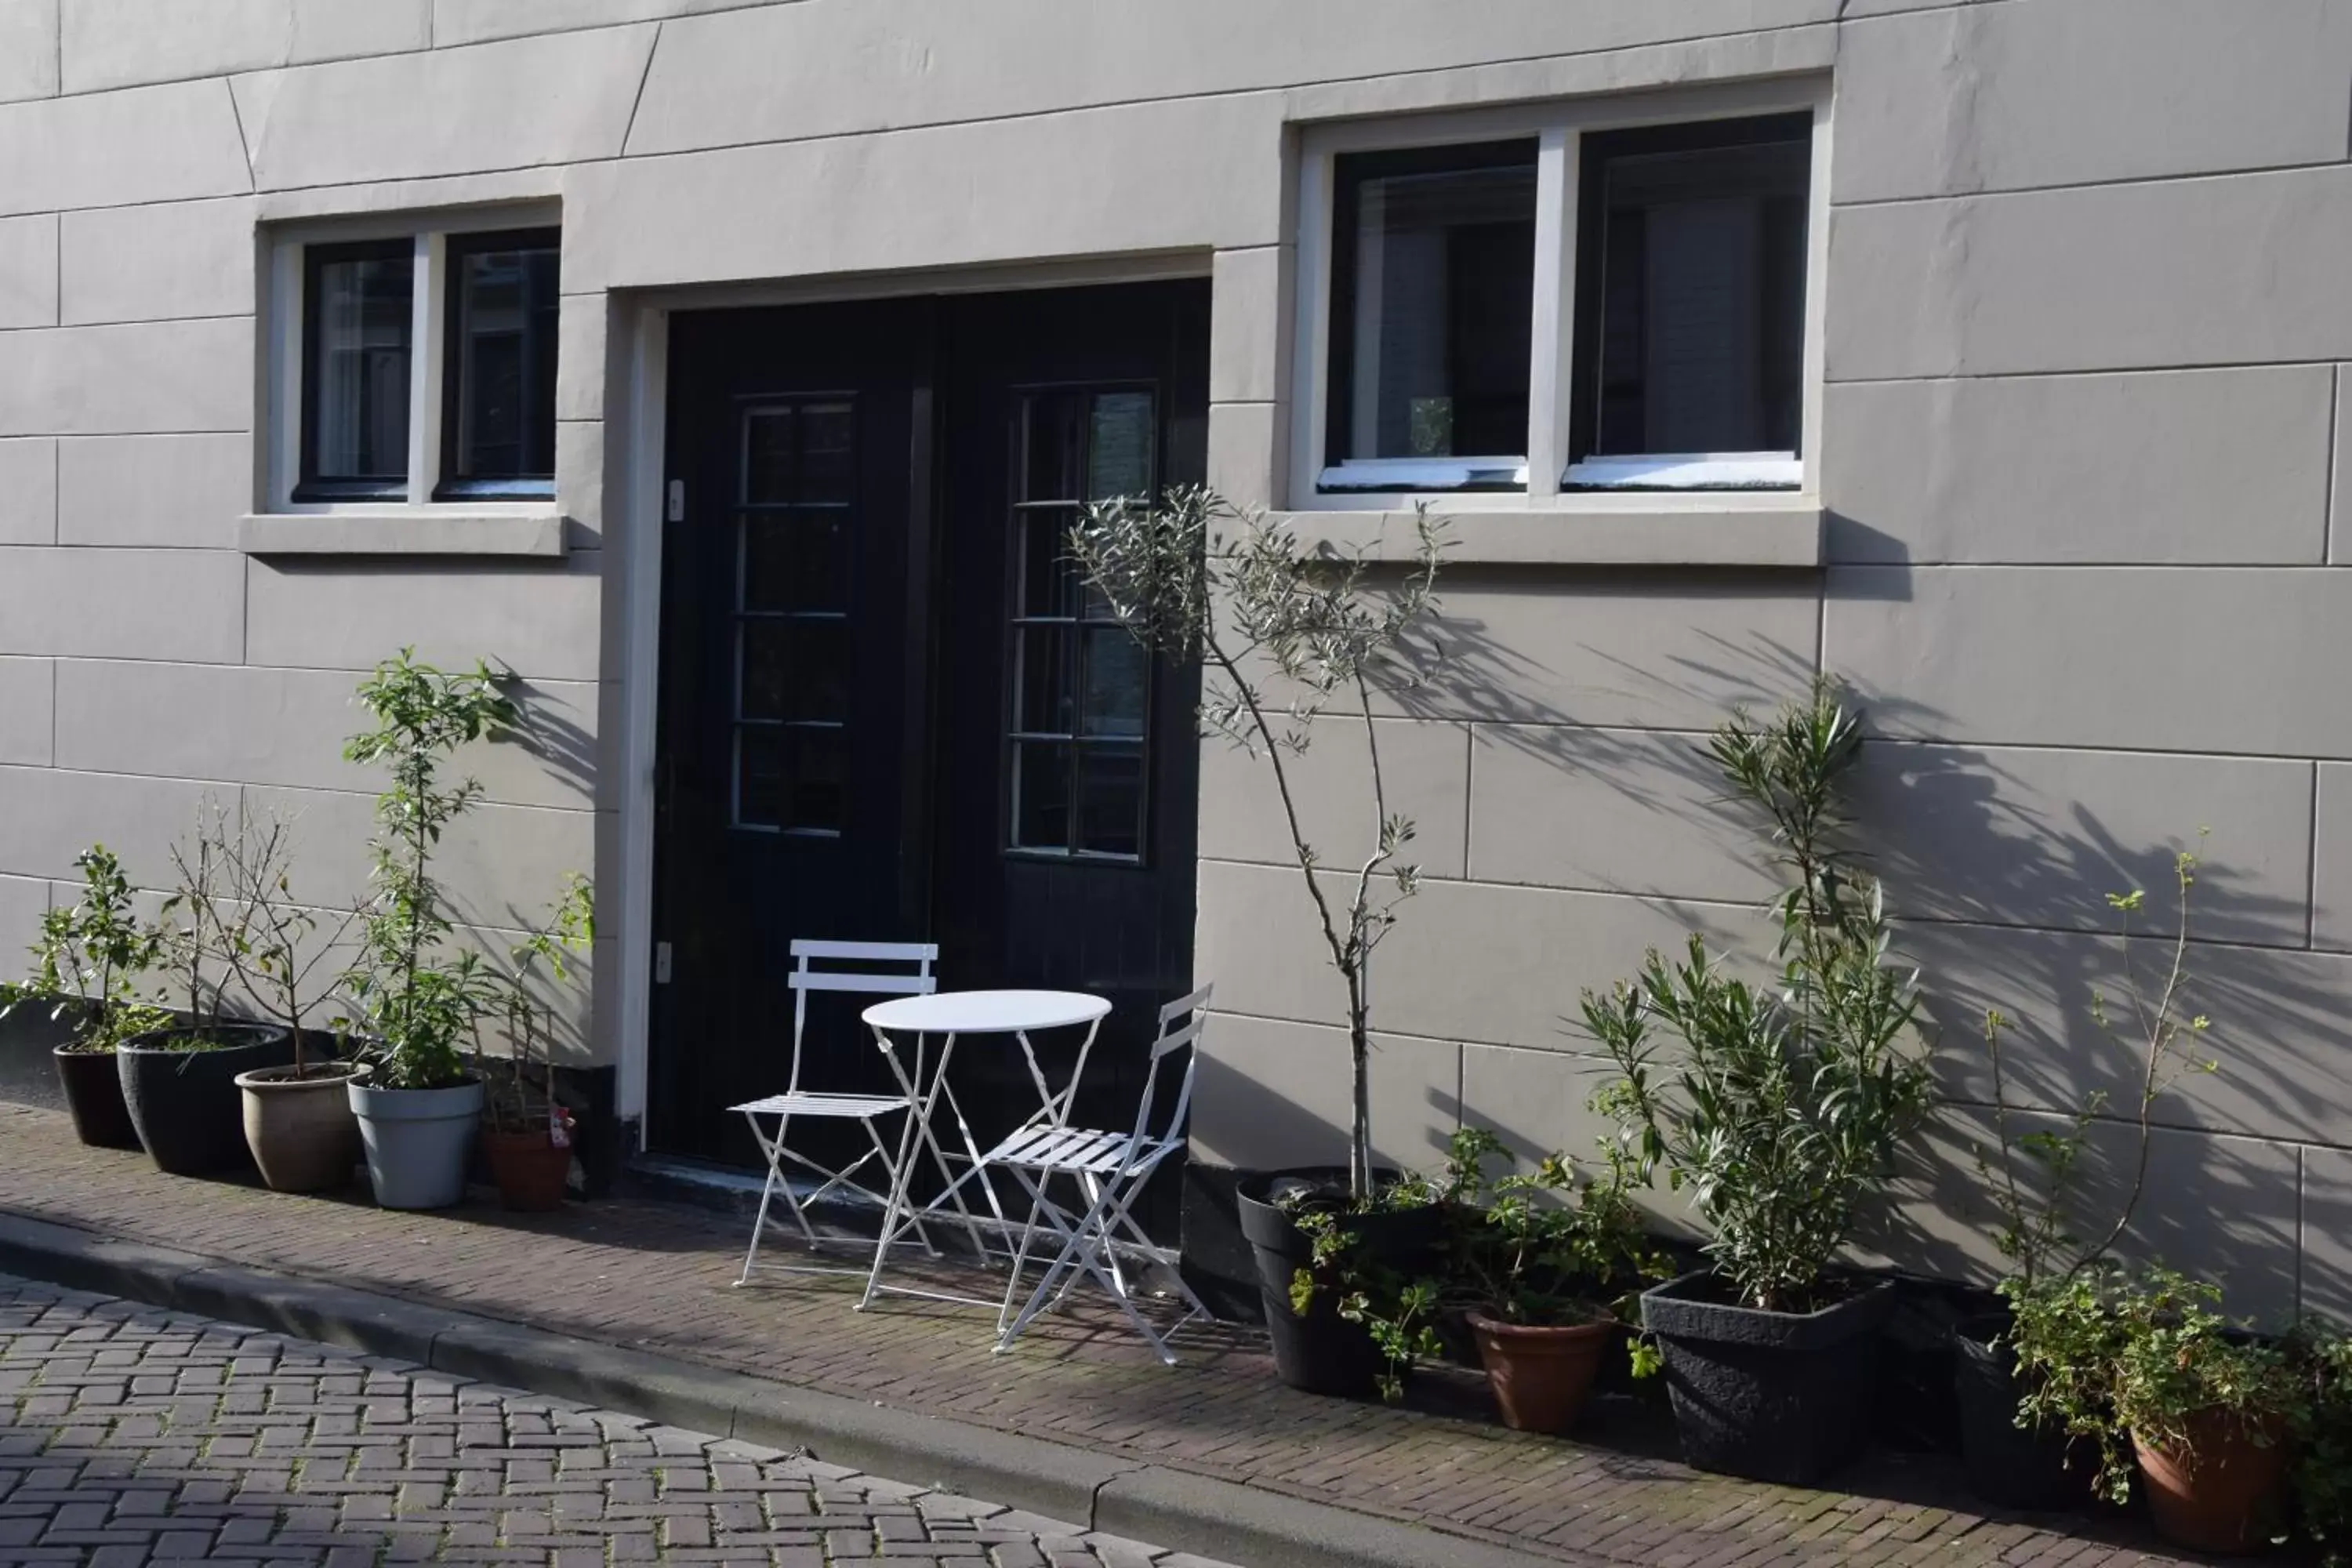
<point>1207,1516</point>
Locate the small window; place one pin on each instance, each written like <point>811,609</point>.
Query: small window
<point>1691,305</point>
<point>1081,684</point>
<point>358,310</point>
<point>499,415</point>
<point>1431,318</point>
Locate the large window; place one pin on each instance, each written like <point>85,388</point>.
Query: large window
<point>359,308</point>
<point>1432,278</point>
<point>499,423</point>
<point>1575,304</point>
<point>414,367</point>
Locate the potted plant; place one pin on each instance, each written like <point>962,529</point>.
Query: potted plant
<point>2008,1457</point>
<point>1283,631</point>
<point>416,995</point>
<point>297,1116</point>
<point>179,1080</point>
<point>2167,1389</point>
<point>86,965</point>
<point>1539,1270</point>
<point>527,1136</point>
<point>1781,1116</point>
<point>2322,1482</point>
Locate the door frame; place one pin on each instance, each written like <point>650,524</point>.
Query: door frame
<point>635,494</point>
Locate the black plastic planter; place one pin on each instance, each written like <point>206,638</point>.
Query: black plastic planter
<point>186,1103</point>
<point>93,1087</point>
<point>1772,1397</point>
<point>1322,1353</point>
<point>2022,1468</point>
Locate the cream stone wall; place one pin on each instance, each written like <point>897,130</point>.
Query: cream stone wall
<point>2082,546</point>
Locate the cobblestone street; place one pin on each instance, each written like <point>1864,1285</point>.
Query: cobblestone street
<point>138,1436</point>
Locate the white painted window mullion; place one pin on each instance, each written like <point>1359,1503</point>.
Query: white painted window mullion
<point>428,292</point>
<point>1549,390</point>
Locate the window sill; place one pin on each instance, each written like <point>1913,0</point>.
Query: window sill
<point>1684,530</point>
<point>537,534</point>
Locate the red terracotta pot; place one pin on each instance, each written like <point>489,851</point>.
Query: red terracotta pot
<point>530,1171</point>
<point>1541,1376</point>
<point>2222,1491</point>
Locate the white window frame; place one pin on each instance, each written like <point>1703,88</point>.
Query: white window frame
<point>1558,129</point>
<point>431,301</point>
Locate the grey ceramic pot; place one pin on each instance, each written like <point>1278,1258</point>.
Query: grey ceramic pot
<point>417,1142</point>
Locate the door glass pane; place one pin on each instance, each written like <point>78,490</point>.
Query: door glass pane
<point>758,777</point>
<point>1119,446</point>
<point>1703,298</point>
<point>769,470</point>
<point>816,788</point>
<point>358,357</point>
<point>503,328</point>
<point>1041,795</point>
<point>794,668</point>
<point>826,474</point>
<point>1118,675</point>
<point>1056,437</point>
<point>1432,331</point>
<point>1045,704</point>
<point>1048,576</point>
<point>1110,800</point>
<point>794,561</point>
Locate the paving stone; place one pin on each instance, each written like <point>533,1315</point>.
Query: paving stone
<point>393,1476</point>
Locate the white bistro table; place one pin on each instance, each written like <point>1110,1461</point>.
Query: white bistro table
<point>933,1024</point>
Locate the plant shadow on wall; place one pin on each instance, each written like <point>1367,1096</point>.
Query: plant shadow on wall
<point>2005,889</point>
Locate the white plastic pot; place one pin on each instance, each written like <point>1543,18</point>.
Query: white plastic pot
<point>417,1142</point>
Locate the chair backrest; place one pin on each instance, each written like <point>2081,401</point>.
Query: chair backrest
<point>875,975</point>
<point>1180,1023</point>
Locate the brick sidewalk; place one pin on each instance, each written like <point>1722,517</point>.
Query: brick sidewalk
<point>656,1276</point>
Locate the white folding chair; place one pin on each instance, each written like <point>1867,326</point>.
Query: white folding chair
<point>1110,1170</point>
<point>911,977</point>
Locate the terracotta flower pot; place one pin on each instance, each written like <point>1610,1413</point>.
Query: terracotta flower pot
<point>1541,1376</point>
<point>93,1087</point>
<point>301,1129</point>
<point>2223,1489</point>
<point>530,1171</point>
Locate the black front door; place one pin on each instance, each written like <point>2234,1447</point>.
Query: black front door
<point>889,712</point>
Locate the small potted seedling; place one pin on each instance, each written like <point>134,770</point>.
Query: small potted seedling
<point>85,966</point>
<point>527,1136</point>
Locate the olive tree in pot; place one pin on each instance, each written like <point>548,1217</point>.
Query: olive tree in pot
<point>297,1116</point>
<point>416,995</point>
<point>1781,1116</point>
<point>1285,635</point>
<point>2012,1456</point>
<point>527,1136</point>
<point>180,1081</point>
<point>86,966</point>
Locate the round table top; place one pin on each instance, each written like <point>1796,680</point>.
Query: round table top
<point>985,1012</point>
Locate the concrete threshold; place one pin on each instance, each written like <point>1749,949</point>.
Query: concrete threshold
<point>1211,1518</point>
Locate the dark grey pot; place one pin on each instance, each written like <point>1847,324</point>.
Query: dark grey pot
<point>186,1104</point>
<point>1772,1397</point>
